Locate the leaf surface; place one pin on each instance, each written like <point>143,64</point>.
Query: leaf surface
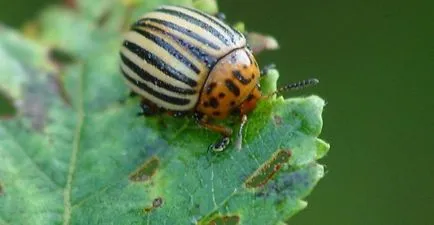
<point>75,154</point>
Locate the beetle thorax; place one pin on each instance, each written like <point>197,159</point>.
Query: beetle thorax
<point>229,84</point>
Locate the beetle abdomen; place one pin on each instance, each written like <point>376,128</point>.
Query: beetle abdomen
<point>167,55</point>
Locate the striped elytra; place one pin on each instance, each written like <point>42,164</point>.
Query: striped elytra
<point>184,60</point>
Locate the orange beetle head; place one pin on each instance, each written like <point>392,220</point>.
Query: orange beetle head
<point>231,84</point>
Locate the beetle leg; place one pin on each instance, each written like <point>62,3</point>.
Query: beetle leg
<point>239,141</point>
<point>148,108</point>
<point>221,16</point>
<point>226,132</point>
<point>177,114</point>
<point>267,68</point>
<point>132,94</point>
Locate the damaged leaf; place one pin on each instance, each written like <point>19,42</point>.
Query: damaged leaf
<point>76,154</point>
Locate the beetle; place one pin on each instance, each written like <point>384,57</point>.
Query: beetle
<point>183,61</point>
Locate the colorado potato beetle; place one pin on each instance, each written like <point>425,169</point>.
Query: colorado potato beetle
<point>183,61</point>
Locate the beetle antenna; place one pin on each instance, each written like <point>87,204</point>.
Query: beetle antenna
<point>296,86</point>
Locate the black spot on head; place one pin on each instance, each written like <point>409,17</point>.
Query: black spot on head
<point>216,113</point>
<point>214,102</point>
<point>222,95</point>
<point>253,76</point>
<point>233,58</point>
<point>245,67</point>
<point>210,87</point>
<point>237,74</point>
<point>250,97</point>
<point>206,104</point>
<point>236,111</point>
<point>232,87</point>
<point>232,103</point>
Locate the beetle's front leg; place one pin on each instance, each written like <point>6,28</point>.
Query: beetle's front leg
<point>226,133</point>
<point>148,108</point>
<point>267,68</point>
<point>221,16</point>
<point>132,94</point>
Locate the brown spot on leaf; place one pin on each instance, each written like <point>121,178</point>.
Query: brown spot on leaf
<point>71,3</point>
<point>60,57</point>
<point>146,171</point>
<point>1,190</point>
<point>7,107</point>
<point>39,95</point>
<point>225,220</point>
<point>263,174</point>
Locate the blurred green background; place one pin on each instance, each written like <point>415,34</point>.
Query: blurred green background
<point>375,60</point>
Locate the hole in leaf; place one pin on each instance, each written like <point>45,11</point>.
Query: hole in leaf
<point>278,120</point>
<point>156,203</point>
<point>7,109</point>
<point>225,220</point>
<point>262,175</point>
<point>146,171</point>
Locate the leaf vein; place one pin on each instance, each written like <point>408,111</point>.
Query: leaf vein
<point>13,139</point>
<point>73,161</point>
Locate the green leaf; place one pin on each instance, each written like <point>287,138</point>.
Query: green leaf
<point>75,154</point>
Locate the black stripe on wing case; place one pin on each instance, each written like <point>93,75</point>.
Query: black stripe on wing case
<point>180,29</point>
<point>169,48</point>
<point>148,77</point>
<point>163,97</point>
<point>158,63</point>
<point>197,22</point>
<point>228,31</point>
<point>193,49</point>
